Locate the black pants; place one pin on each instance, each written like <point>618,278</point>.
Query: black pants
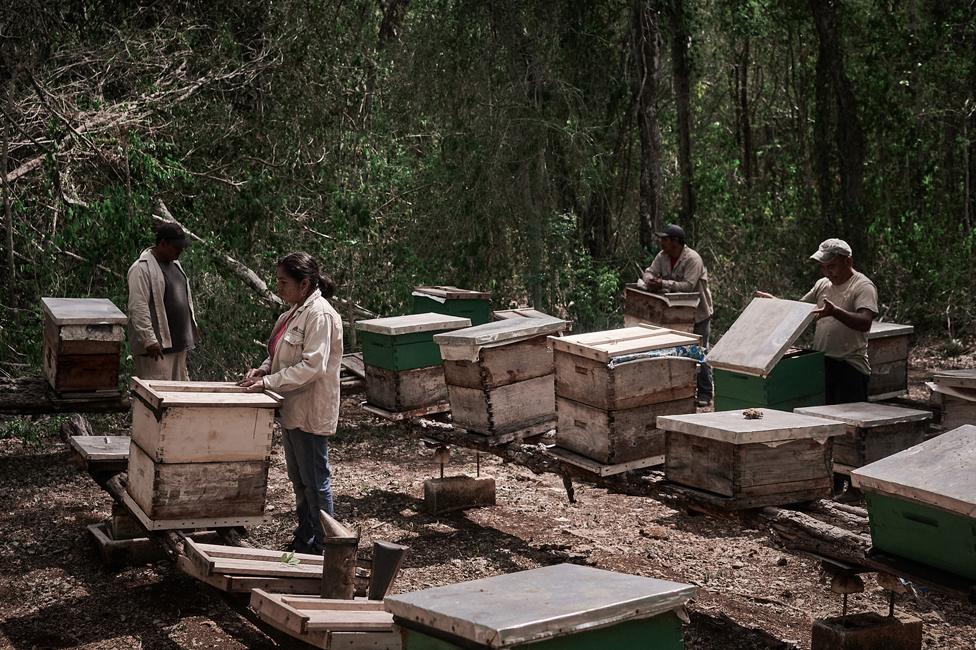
<point>845,383</point>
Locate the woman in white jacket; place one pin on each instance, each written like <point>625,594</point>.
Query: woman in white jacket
<point>304,357</point>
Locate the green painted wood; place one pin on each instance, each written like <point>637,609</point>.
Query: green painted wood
<point>662,632</point>
<point>402,352</point>
<point>478,311</point>
<point>795,381</point>
<point>923,533</point>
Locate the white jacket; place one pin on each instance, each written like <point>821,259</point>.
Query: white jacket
<point>147,313</point>
<point>305,367</point>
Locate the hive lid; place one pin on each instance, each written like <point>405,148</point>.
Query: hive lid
<point>413,323</point>
<point>450,293</point>
<point>521,312</point>
<point>866,415</point>
<point>603,346</point>
<point>527,606</point>
<point>881,330</point>
<point>158,394</point>
<point>761,335</point>
<point>83,311</point>
<point>940,472</point>
<point>502,331</point>
<point>734,427</point>
<point>956,378</point>
<point>675,299</point>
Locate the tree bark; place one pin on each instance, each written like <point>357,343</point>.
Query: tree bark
<point>681,74</point>
<point>744,123</point>
<point>648,60</point>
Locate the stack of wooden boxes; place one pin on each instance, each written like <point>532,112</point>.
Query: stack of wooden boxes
<point>500,377</point>
<point>954,393</point>
<point>610,387</point>
<point>922,506</point>
<point>199,454</point>
<point>82,344</point>
<point>404,372</point>
<point>473,305</point>
<point>735,460</point>
<point>754,365</point>
<point>672,310</point>
<point>888,346</point>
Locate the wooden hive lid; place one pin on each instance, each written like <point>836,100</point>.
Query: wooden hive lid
<point>413,323</point>
<point>603,346</point>
<point>83,311</point>
<point>498,332</point>
<point>866,415</point>
<point>761,335</point>
<point>520,312</point>
<point>880,330</point>
<point>450,293</point>
<point>673,299</point>
<point>940,472</point>
<point>956,378</point>
<point>159,394</point>
<point>734,427</point>
<point>526,606</point>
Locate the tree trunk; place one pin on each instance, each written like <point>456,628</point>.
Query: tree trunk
<point>8,215</point>
<point>648,59</point>
<point>681,74</point>
<point>742,109</point>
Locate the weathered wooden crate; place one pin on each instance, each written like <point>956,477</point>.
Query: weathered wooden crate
<point>874,431</point>
<point>405,390</point>
<point>82,344</point>
<point>473,305</point>
<point>672,310</point>
<point>777,459</point>
<point>610,387</point>
<point>560,607</point>
<point>922,502</point>
<point>888,347</point>
<point>955,393</point>
<point>201,422</point>
<point>500,375</point>
<point>754,367</point>
<point>405,342</point>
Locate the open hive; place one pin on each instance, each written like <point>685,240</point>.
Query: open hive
<point>672,310</point>
<point>954,391</point>
<point>888,347</point>
<point>82,344</point>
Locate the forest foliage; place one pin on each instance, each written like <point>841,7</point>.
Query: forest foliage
<point>522,148</point>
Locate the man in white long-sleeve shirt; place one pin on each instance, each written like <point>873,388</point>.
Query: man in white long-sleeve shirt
<point>162,325</point>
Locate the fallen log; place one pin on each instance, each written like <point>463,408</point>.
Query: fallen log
<point>802,532</point>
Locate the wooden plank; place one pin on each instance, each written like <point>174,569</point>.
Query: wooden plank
<point>521,404</point>
<point>628,385</point>
<point>349,621</point>
<point>521,312</point>
<point>518,435</point>
<point>956,378</point>
<point>442,407</point>
<point>469,408</point>
<point>412,323</point>
<point>82,311</point>
<point>263,568</point>
<point>866,415</point>
<point>405,390</point>
<point>353,362</point>
<point>761,335</point>
<point>470,339</point>
<point>451,293</point>
<point>188,523</point>
<point>734,427</point>
<point>600,469</point>
<point>101,449</point>
<point>880,330</point>
<point>312,603</point>
<point>501,365</point>
<point>700,463</point>
<point>221,551</point>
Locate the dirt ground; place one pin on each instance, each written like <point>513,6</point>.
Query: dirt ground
<point>54,593</point>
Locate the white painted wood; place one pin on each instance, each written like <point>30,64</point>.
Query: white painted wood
<point>761,335</point>
<point>880,330</point>
<point>412,323</point>
<point>83,311</point>
<point>956,378</point>
<point>521,312</point>
<point>603,346</point>
<point>866,415</point>
<point>965,394</point>
<point>735,428</point>
<point>940,472</point>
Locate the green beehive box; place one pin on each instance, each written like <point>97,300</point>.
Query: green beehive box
<point>560,607</point>
<point>405,342</point>
<point>473,305</point>
<point>922,502</point>
<point>754,365</point>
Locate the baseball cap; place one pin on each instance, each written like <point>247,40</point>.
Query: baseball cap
<point>831,248</point>
<point>673,231</point>
<point>172,233</point>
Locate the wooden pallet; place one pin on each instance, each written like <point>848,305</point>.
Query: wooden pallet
<point>33,396</point>
<point>329,624</point>
<point>440,407</point>
<point>518,435</point>
<point>594,467</point>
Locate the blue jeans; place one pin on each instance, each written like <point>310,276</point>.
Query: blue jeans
<point>307,460</point>
<point>705,389</point>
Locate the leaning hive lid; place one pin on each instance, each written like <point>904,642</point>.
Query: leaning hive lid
<point>956,378</point>
<point>413,323</point>
<point>83,311</point>
<point>450,293</point>
<point>881,330</point>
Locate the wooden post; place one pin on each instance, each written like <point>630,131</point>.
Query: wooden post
<point>339,559</point>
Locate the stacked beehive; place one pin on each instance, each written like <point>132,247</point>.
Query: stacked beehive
<point>82,344</point>
<point>672,310</point>
<point>954,392</point>
<point>888,346</point>
<point>199,454</point>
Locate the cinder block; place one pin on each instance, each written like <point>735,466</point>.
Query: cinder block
<point>867,631</point>
<point>122,526</point>
<point>458,493</point>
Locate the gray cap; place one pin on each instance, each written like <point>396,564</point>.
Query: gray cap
<point>831,248</point>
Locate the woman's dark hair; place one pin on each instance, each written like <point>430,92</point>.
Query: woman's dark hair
<point>302,266</point>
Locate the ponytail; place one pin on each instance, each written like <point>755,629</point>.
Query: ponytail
<point>326,285</point>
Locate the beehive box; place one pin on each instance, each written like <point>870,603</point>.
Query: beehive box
<point>954,391</point>
<point>874,431</point>
<point>560,607</point>
<point>672,310</point>
<point>403,365</point>
<point>922,502</point>
<point>82,344</point>
<point>754,366</point>
<point>199,452</point>
<point>888,347</point>
<point>500,375</point>
<point>610,387</point>
<point>473,305</point>
<point>777,459</point>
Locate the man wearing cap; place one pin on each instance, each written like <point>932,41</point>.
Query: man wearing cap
<point>847,302</point>
<point>679,269</point>
<point>162,326</point>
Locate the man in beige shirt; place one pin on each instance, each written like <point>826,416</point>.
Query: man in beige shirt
<point>680,269</point>
<point>847,302</point>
